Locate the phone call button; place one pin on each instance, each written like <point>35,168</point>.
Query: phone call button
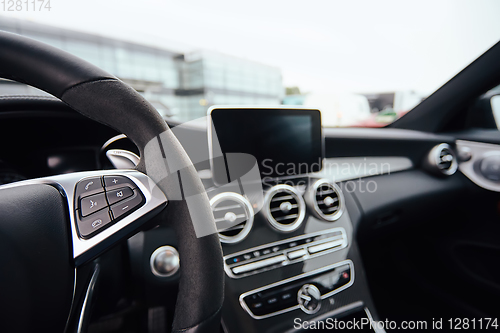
<point>88,186</point>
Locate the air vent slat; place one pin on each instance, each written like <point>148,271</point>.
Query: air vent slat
<point>287,217</point>
<point>236,227</point>
<point>221,219</point>
<point>322,202</point>
<point>284,208</point>
<point>278,208</point>
<point>286,197</point>
<point>217,209</point>
<point>331,209</point>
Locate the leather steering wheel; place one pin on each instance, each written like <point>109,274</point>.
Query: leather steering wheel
<point>41,254</point>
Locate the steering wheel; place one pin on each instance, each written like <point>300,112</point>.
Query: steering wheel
<point>47,233</point>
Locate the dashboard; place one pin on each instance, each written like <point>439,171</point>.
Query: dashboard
<point>297,246</point>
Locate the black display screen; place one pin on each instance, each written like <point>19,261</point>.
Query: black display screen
<point>285,142</point>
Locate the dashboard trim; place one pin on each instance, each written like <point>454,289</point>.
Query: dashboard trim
<point>478,151</point>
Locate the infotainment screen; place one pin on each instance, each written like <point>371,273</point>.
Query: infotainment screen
<point>285,142</point>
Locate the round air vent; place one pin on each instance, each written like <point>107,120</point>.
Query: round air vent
<point>233,216</point>
<point>284,208</point>
<point>326,200</point>
<point>442,160</point>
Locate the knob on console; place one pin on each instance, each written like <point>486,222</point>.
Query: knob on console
<point>309,298</point>
<point>164,261</point>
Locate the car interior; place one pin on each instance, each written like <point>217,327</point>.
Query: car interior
<point>255,219</point>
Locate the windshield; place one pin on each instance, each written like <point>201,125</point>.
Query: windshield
<point>362,63</point>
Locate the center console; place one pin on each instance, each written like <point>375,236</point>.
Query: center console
<point>288,240</point>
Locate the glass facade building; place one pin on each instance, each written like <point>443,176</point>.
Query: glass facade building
<point>181,86</point>
<point>209,78</point>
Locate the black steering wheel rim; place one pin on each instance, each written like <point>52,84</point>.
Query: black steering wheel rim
<point>102,97</point>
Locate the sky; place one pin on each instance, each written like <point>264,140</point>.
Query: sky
<point>320,46</point>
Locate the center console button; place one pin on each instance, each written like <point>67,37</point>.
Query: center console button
<point>325,246</point>
<point>309,298</point>
<point>266,251</point>
<point>272,300</point>
<point>296,254</point>
<point>119,194</point>
<point>92,204</point>
<point>257,305</point>
<point>344,278</point>
<point>286,296</point>
<point>259,264</point>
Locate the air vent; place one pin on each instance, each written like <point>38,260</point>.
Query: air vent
<point>233,216</point>
<point>326,200</point>
<point>285,208</point>
<point>442,160</point>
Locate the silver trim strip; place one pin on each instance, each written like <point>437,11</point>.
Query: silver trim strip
<point>122,159</point>
<point>324,246</point>
<point>298,277</point>
<point>342,236</point>
<point>154,201</point>
<point>88,298</point>
<point>370,318</point>
<point>258,264</point>
<point>478,151</point>
<point>301,207</point>
<point>113,139</point>
<point>340,169</point>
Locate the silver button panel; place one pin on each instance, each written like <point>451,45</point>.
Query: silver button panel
<point>274,255</point>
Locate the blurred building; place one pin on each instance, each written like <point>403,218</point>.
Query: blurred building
<point>181,86</point>
<point>210,78</point>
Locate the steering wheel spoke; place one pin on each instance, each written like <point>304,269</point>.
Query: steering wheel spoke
<point>104,206</point>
